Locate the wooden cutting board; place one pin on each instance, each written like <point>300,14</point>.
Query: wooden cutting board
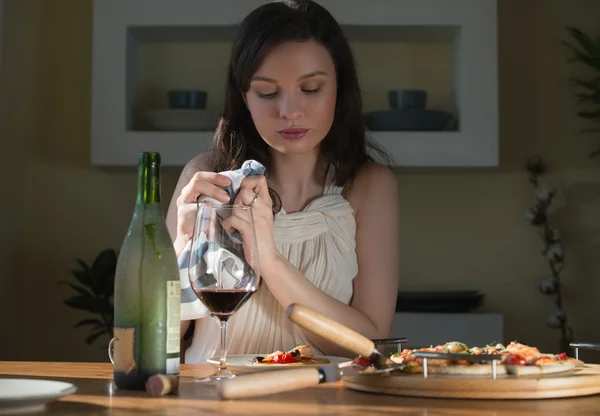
<point>579,382</point>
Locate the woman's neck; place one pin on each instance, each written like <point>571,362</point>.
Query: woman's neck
<point>297,179</point>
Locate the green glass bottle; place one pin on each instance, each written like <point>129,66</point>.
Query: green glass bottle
<point>147,293</point>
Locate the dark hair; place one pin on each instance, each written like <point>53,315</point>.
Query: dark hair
<point>236,138</point>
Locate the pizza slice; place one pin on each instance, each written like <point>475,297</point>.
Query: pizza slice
<point>516,359</point>
<point>299,355</point>
<point>414,364</point>
<point>517,353</point>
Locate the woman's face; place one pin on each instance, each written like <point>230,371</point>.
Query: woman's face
<point>292,96</point>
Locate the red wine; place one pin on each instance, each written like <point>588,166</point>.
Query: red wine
<point>223,303</point>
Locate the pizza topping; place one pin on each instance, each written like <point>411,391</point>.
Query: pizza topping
<point>562,356</point>
<point>494,349</point>
<point>530,354</point>
<point>545,360</point>
<point>476,351</point>
<point>302,351</point>
<point>413,363</point>
<point>269,358</point>
<point>283,358</point>
<point>363,361</point>
<point>455,347</point>
<point>299,353</point>
<point>397,358</point>
<point>514,359</point>
<point>407,356</point>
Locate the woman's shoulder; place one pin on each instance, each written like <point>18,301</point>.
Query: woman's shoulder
<point>200,162</point>
<point>374,183</point>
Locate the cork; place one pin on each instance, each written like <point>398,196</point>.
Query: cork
<point>161,384</point>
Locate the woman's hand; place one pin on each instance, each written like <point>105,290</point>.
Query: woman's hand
<point>254,192</point>
<point>202,184</point>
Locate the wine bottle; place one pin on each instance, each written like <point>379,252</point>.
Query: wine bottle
<point>147,293</point>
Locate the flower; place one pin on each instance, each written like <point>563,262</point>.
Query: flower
<point>555,253</point>
<point>544,193</point>
<point>536,166</point>
<point>535,215</point>
<point>548,285</point>
<point>554,235</point>
<point>556,319</point>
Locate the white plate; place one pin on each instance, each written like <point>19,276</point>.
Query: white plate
<point>240,364</point>
<point>28,395</point>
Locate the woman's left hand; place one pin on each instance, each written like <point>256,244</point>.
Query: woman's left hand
<point>254,192</point>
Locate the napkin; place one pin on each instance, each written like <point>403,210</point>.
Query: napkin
<point>220,261</point>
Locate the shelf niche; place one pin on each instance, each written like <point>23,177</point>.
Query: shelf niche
<point>451,52</point>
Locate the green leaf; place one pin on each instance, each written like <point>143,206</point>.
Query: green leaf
<point>103,272</point>
<point>594,98</point>
<point>88,322</point>
<point>83,265</point>
<point>80,301</point>
<point>94,336</point>
<point>106,286</point>
<point>76,288</point>
<point>83,277</point>
<point>593,84</point>
<point>105,262</point>
<point>584,41</point>
<point>588,51</point>
<point>578,56</point>
<point>101,325</point>
<point>590,131</point>
<point>90,304</point>
<point>589,114</point>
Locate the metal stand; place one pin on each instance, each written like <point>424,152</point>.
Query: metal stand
<point>463,357</point>
<point>585,346</point>
<point>391,341</point>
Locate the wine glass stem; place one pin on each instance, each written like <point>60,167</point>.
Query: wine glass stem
<point>223,361</point>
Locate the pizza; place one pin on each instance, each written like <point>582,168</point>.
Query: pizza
<point>515,359</point>
<point>300,355</point>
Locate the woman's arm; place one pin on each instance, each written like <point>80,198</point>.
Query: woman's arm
<point>374,196</point>
<point>197,164</point>
<point>193,166</point>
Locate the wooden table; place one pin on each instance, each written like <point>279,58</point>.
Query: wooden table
<point>96,395</point>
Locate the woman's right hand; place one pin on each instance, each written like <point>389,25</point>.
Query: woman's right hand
<point>202,184</point>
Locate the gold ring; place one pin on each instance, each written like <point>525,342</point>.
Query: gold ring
<point>253,200</point>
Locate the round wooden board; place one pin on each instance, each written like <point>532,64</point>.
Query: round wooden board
<point>579,382</point>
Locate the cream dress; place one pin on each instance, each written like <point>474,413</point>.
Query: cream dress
<point>320,242</point>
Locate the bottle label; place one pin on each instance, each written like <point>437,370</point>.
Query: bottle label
<point>172,366</point>
<point>173,316</point>
<point>124,352</point>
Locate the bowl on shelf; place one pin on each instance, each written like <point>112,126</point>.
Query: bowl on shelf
<point>405,99</point>
<point>439,301</point>
<point>182,119</point>
<point>408,120</point>
<point>179,99</point>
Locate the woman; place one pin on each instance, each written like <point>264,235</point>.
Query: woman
<point>293,103</point>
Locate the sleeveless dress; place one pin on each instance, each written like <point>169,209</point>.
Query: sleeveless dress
<point>320,242</point>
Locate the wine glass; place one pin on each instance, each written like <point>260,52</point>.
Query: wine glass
<point>223,266</point>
